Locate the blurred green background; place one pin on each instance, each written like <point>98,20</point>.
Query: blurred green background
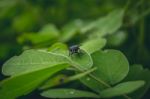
<point>23,21</point>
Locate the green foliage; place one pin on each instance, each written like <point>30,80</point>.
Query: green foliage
<point>111,66</point>
<point>117,39</point>
<point>70,30</point>
<point>24,22</point>
<point>68,93</point>
<point>100,26</point>
<point>25,83</point>
<point>122,88</point>
<point>31,60</point>
<point>94,45</point>
<point>44,30</point>
<point>47,33</point>
<point>57,79</point>
<point>137,72</point>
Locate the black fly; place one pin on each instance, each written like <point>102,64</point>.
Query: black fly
<point>74,49</point>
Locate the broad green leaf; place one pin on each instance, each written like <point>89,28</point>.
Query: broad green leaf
<point>107,24</point>
<point>111,23</point>
<point>70,30</point>
<point>137,72</point>
<point>59,48</point>
<point>30,61</point>
<point>112,66</point>
<point>47,33</point>
<point>93,45</point>
<point>117,39</point>
<point>68,93</point>
<point>122,88</point>
<point>50,29</point>
<point>82,60</point>
<point>88,27</point>
<point>16,86</point>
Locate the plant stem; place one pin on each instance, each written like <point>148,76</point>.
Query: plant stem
<point>75,77</point>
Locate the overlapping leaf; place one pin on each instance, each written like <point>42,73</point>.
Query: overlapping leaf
<point>47,33</point>
<point>137,72</point>
<point>94,45</point>
<point>16,86</point>
<point>106,25</point>
<point>31,60</point>
<point>68,93</point>
<point>112,67</point>
<point>122,88</point>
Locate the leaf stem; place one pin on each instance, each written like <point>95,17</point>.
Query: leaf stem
<point>75,77</point>
<point>99,80</point>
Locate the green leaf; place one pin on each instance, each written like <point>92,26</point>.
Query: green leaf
<point>111,23</point>
<point>93,45</point>
<point>50,29</point>
<point>47,33</point>
<point>107,24</point>
<point>59,48</point>
<point>70,30</point>
<point>82,60</point>
<point>92,84</point>
<point>137,72</point>
<point>117,39</point>
<point>56,80</point>
<point>16,86</point>
<point>112,66</point>
<point>68,93</point>
<point>31,60</point>
<point>122,88</point>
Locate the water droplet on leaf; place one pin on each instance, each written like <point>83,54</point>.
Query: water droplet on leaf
<point>88,79</point>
